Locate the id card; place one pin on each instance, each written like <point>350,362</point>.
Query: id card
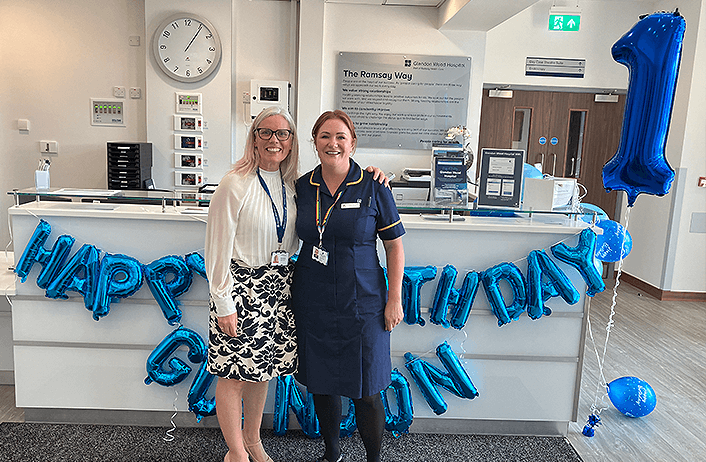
<point>279,258</point>
<point>320,255</point>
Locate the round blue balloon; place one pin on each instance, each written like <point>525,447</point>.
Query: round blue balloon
<point>632,396</point>
<point>609,244</point>
<point>529,171</point>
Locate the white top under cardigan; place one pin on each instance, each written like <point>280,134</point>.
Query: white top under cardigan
<point>241,226</point>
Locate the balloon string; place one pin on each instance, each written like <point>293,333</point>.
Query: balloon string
<point>169,437</point>
<point>429,354</point>
<point>602,382</point>
<point>9,227</point>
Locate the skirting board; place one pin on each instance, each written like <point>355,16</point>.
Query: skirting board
<point>661,294</point>
<point>7,377</point>
<point>187,419</point>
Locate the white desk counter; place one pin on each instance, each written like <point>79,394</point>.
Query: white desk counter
<point>7,289</point>
<point>69,367</point>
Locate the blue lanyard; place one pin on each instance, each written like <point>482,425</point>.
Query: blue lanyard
<point>280,225</point>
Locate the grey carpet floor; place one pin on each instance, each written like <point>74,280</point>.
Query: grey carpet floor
<point>68,443</point>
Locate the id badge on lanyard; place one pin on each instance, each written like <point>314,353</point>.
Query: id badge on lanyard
<point>318,253</point>
<point>279,257</point>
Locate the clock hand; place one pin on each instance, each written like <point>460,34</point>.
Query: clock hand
<point>194,38</point>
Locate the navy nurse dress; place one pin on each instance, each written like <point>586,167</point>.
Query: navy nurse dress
<point>339,308</point>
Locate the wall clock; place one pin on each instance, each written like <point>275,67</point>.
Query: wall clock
<point>187,47</point>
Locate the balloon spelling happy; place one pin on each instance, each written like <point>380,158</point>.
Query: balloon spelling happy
<point>651,51</point>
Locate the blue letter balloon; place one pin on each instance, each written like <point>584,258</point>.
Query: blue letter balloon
<point>414,278</point>
<point>651,50</point>
<point>632,396</point>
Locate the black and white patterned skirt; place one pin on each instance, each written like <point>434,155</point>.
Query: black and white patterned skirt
<point>266,345</point>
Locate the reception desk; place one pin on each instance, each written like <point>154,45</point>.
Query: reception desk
<point>70,368</point>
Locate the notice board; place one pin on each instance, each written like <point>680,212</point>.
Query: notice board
<point>403,101</point>
<point>501,178</point>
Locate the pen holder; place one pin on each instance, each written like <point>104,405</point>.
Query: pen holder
<point>41,179</point>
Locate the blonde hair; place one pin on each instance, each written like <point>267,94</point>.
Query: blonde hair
<point>251,159</point>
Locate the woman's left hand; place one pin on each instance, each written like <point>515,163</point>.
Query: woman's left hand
<point>393,314</point>
<point>378,175</point>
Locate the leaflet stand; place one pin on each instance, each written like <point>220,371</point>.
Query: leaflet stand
<point>449,184</point>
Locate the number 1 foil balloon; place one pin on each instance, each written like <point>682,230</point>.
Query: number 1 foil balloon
<point>651,50</point>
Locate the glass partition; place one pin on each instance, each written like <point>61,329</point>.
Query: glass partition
<point>191,199</point>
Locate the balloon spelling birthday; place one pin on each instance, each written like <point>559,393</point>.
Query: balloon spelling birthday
<point>651,51</point>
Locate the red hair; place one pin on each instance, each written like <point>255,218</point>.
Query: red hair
<point>328,115</point>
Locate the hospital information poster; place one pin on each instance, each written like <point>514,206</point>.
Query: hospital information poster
<point>403,101</point>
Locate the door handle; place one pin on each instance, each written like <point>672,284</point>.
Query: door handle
<point>541,161</point>
<point>573,164</point>
<point>554,165</point>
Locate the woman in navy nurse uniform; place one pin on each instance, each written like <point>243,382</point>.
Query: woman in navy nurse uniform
<point>343,310</point>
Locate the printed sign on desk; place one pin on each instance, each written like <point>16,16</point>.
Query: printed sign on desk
<point>501,176</point>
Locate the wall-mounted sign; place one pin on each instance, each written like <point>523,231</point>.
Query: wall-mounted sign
<point>403,101</point>
<point>564,22</point>
<point>555,67</point>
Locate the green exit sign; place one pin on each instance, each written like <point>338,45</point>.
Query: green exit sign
<point>564,22</point>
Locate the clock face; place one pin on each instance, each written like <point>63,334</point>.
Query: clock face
<point>187,47</point>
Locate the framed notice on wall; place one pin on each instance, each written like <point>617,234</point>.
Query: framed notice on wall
<point>403,101</point>
<point>501,177</point>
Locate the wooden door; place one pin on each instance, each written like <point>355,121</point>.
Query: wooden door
<point>553,115</point>
<point>602,138</point>
<point>539,106</point>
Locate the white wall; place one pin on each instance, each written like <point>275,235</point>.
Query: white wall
<point>264,33</point>
<point>385,29</point>
<point>665,253</point>
<point>56,56</point>
<point>527,34</point>
<point>689,269</point>
<point>215,91</point>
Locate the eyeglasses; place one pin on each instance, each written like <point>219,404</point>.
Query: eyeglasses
<point>265,134</point>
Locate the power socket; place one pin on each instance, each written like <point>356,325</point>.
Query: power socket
<point>135,93</point>
<point>119,92</point>
<point>246,97</point>
<point>48,147</point>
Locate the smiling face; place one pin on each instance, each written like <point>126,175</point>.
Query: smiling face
<point>273,151</point>
<point>334,144</point>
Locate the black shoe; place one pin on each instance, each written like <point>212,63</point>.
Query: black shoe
<point>323,459</point>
